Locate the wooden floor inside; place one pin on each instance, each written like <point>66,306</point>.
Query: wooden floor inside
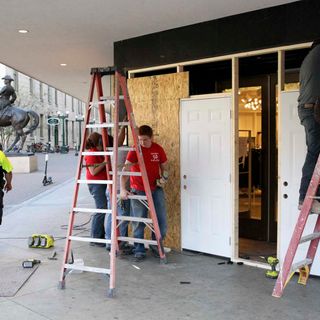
<point>256,250</point>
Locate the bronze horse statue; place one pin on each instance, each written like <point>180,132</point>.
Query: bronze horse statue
<point>18,119</point>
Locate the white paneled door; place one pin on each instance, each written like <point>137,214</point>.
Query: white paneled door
<point>292,151</point>
<point>205,175</point>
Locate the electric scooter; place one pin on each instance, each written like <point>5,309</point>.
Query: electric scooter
<point>46,180</point>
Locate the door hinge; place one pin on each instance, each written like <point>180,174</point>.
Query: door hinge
<point>230,114</point>
<point>229,241</point>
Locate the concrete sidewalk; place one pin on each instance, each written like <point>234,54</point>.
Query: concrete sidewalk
<point>61,167</point>
<point>190,286</point>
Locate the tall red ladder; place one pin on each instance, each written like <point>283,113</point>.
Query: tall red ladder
<point>304,266</point>
<point>147,200</point>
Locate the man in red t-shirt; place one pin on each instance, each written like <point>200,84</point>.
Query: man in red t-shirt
<point>156,164</point>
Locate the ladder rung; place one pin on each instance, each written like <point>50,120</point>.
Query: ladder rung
<point>136,219</point>
<point>122,148</point>
<point>100,125</point>
<point>300,264</point>
<point>95,181</point>
<point>310,237</point>
<point>96,103</point>
<point>136,197</point>
<point>97,153</point>
<point>106,125</point>
<point>127,173</point>
<point>88,239</point>
<point>86,268</point>
<point>129,239</point>
<point>93,210</point>
<point>112,98</point>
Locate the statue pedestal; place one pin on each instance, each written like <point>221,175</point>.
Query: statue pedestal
<point>23,162</point>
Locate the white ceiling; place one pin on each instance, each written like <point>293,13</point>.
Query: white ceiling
<point>81,33</point>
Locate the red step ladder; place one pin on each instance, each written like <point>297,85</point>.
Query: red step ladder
<point>304,266</point>
<point>120,86</point>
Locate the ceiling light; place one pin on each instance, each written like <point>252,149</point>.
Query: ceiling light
<point>23,31</point>
<point>63,64</point>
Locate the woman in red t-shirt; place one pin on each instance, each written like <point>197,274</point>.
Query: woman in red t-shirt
<point>96,170</point>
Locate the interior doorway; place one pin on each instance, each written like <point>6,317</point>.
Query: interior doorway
<point>257,122</point>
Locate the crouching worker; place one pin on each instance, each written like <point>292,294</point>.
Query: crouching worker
<point>5,178</point>
<point>155,161</point>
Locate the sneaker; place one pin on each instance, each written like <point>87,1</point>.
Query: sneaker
<point>154,250</point>
<point>138,257</point>
<point>315,207</point>
<point>126,248</point>
<point>97,244</point>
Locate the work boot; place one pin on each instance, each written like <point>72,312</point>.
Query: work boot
<point>154,250</point>
<point>315,207</point>
<point>126,248</point>
<point>139,257</point>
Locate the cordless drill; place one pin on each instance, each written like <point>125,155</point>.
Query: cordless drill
<point>273,273</point>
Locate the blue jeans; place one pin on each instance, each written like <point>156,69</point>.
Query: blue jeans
<point>123,210</point>
<point>98,191</point>
<point>312,130</point>
<point>139,210</point>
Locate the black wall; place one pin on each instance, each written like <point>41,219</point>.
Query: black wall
<point>281,25</point>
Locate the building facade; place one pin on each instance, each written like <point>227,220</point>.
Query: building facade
<point>222,98</point>
<point>48,102</point>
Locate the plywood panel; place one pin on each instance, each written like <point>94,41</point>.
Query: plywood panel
<point>156,102</point>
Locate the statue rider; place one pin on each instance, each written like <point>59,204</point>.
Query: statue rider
<point>7,93</point>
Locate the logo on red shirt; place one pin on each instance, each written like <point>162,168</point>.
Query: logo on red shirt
<point>155,157</point>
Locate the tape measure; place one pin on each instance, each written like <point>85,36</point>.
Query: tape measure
<point>43,241</point>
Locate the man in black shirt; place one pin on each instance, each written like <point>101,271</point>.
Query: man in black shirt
<point>309,93</point>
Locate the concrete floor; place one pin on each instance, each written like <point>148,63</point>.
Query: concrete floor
<point>190,286</point>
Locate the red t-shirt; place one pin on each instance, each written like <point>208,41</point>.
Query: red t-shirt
<point>102,175</point>
<point>153,157</point>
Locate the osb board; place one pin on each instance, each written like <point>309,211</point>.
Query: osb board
<point>156,102</point>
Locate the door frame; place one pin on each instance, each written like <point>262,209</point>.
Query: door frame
<point>266,228</point>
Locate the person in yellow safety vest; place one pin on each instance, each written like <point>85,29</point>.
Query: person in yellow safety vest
<point>5,178</point>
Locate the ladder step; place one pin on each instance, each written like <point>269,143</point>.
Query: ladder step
<point>129,239</point>
<point>310,237</point>
<point>88,239</point>
<point>111,98</point>
<point>127,173</point>
<point>95,181</point>
<point>97,153</point>
<point>135,197</point>
<point>122,148</point>
<point>96,103</point>
<point>106,125</point>
<point>300,264</point>
<point>135,219</point>
<point>100,125</point>
<point>93,210</point>
<point>86,268</point>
